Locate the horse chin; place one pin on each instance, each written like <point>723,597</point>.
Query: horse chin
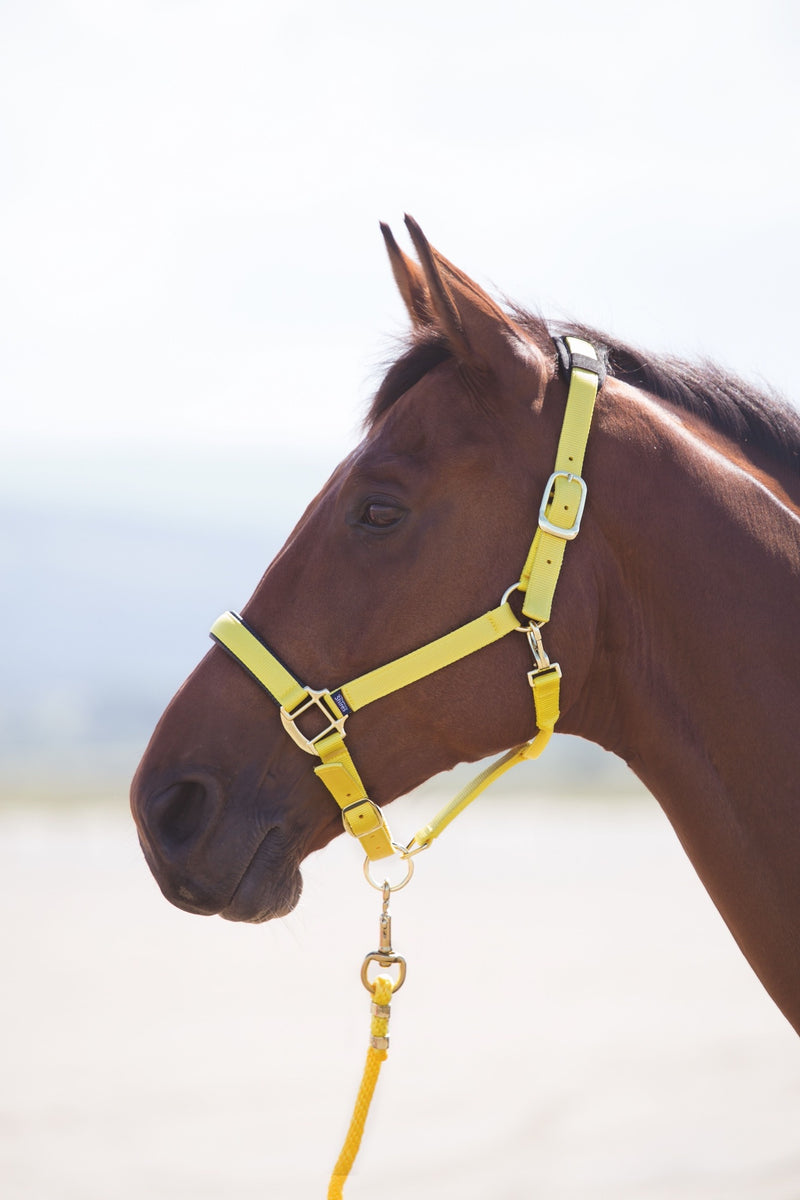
<point>269,886</point>
<point>257,900</point>
<point>217,852</point>
<point>254,901</point>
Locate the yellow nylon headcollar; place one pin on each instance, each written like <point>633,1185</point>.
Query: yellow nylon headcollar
<point>559,521</point>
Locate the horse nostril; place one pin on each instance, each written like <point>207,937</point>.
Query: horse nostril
<point>180,812</point>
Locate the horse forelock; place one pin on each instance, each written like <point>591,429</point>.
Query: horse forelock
<point>422,352</point>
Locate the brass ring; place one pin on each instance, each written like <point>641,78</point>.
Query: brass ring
<point>393,887</point>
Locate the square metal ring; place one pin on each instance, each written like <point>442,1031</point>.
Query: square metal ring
<point>315,699</point>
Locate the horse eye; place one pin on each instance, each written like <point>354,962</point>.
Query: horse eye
<point>380,516</point>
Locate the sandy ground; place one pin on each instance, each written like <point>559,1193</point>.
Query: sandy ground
<point>576,1023</point>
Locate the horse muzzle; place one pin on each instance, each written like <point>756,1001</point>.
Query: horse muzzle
<point>206,861</point>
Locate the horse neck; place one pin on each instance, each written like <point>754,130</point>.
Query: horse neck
<point>696,680</point>
<point>697,560</point>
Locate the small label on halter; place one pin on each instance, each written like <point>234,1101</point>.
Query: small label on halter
<point>341,703</point>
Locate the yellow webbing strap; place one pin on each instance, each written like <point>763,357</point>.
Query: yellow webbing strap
<point>362,818</point>
<point>262,664</point>
<point>546,689</point>
<point>541,570</point>
<point>337,771</point>
<point>428,659</point>
<point>376,1056</point>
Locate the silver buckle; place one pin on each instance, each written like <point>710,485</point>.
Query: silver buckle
<point>546,525</point>
<point>314,699</point>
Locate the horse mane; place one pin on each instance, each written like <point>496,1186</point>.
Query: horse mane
<point>760,420</point>
<point>757,419</point>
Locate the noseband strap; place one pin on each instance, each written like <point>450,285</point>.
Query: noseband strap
<point>324,712</point>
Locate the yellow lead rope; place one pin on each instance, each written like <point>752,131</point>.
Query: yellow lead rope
<point>376,1056</point>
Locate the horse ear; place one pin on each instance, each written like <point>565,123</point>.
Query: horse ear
<point>475,327</point>
<point>409,279</point>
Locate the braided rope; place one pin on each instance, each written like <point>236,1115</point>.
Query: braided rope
<point>376,1055</point>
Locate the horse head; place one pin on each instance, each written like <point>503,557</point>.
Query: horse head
<point>425,525</point>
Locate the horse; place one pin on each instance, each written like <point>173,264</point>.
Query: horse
<point>674,623</point>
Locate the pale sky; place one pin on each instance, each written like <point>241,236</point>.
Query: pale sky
<point>191,191</point>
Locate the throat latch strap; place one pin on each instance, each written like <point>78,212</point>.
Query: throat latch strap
<point>323,713</point>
